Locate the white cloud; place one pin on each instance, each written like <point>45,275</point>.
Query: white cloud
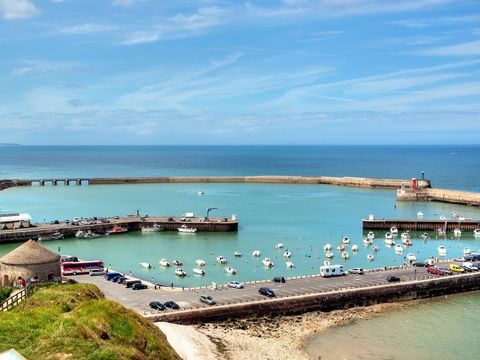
<point>34,67</point>
<point>86,28</point>
<point>17,9</point>
<point>471,48</point>
<point>125,2</point>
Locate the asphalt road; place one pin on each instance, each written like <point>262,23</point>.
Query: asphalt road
<point>190,298</point>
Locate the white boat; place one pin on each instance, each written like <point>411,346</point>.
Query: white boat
<point>345,255</point>
<point>200,262</point>
<point>405,235</point>
<point>186,230</point>
<point>420,215</point>
<point>80,234</point>
<point>267,262</point>
<point>345,240</point>
<point>454,214</point>
<point>354,248</point>
<point>279,246</point>
<point>371,235</point>
<point>376,248</point>
<point>287,254</point>
<point>290,264</point>
<point>200,193</point>
<point>256,253</point>
<point>221,260</point>
<point>164,262</point>
<point>467,251</point>
<point>441,232</point>
<point>462,218</point>
<point>398,249</point>
<point>411,257</point>
<point>340,247</point>
<point>326,263</point>
<point>237,253</point>
<point>442,217</point>
<point>153,228</point>
<point>180,272</point>
<point>424,236</point>
<point>442,250</point>
<point>177,262</point>
<point>389,242</point>
<point>145,265</point>
<point>476,232</point>
<point>230,270</point>
<point>329,254</point>
<point>370,257</point>
<point>388,235</point>
<point>407,242</point>
<point>367,242</point>
<point>198,271</point>
<point>457,232</point>
<point>394,230</point>
<point>328,247</point>
<point>91,235</point>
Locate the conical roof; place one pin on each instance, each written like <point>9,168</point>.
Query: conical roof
<point>30,253</point>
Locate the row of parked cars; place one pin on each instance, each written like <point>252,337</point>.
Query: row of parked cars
<point>118,278</point>
<point>454,268</point>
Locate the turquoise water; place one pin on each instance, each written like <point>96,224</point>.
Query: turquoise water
<point>303,217</point>
<point>441,328</point>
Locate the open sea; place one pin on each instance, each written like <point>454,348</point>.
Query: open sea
<point>303,217</point>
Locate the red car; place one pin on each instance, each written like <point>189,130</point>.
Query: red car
<point>435,271</point>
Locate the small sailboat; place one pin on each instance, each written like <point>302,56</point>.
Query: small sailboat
<point>279,246</point>
<point>200,262</point>
<point>442,250</point>
<point>198,271</point>
<point>370,257</point>
<point>287,254</point>
<point>394,230</point>
<point>340,247</point>
<point>328,247</point>
<point>405,235</point>
<point>457,232</point>
<point>345,255</point>
<point>230,270</point>
<point>177,262</point>
<point>345,240</point>
<point>221,260</point>
<point>290,264</point>
<point>398,249</point>
<point>371,235</point>
<point>367,242</point>
<point>354,247</point>
<point>164,262</point>
<point>441,232</point>
<point>267,262</point>
<point>237,254</point>
<point>376,248</point>
<point>420,215</point>
<point>145,265</point>
<point>200,193</point>
<point>425,236</point>
<point>388,235</point>
<point>180,272</point>
<point>411,257</point>
<point>256,253</point>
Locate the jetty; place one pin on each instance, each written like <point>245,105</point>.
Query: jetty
<point>131,222</point>
<point>420,224</point>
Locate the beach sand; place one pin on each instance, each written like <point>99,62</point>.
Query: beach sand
<point>279,338</point>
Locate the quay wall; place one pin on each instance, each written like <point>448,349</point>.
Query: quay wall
<point>424,225</point>
<point>328,301</point>
<point>441,195</point>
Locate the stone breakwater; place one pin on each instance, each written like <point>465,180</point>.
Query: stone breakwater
<point>441,195</point>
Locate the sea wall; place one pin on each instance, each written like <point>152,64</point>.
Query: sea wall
<point>442,195</point>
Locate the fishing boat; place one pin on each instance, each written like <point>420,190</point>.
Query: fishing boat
<point>153,228</point>
<point>237,254</point>
<point>145,265</point>
<point>329,254</point>
<point>290,264</point>
<point>389,242</point>
<point>345,255</point>
<point>411,257</point>
<point>91,235</point>
<point>80,234</point>
<point>267,262</point>
<point>180,272</point>
<point>230,270</point>
<point>177,262</point>
<point>345,240</point>
<point>442,250</point>
<point>221,260</point>
<point>467,251</point>
<point>328,247</point>
<point>354,247</point>
<point>164,262</point>
<point>256,253</point>
<point>200,262</point>
<point>198,271</point>
<point>398,249</point>
<point>457,232</point>
<point>371,235</point>
<point>476,232</point>
<point>394,230</point>
<point>279,246</point>
<point>116,230</point>
<point>287,254</point>
<point>370,257</point>
<point>186,230</point>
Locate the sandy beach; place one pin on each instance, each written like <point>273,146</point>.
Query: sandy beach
<point>280,338</point>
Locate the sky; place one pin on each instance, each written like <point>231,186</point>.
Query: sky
<point>239,72</point>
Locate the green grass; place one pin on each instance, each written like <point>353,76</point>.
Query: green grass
<point>77,322</point>
<point>5,293</point>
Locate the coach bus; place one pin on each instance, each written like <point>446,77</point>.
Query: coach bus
<point>80,267</point>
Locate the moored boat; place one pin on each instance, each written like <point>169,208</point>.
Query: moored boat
<point>287,254</point>
<point>394,230</point>
<point>354,247</point>
<point>329,254</point>
<point>256,253</point>
<point>407,242</point>
<point>376,248</point>
<point>345,255</point>
<point>425,236</point>
<point>221,260</point>
<point>180,272</point>
<point>388,235</point>
<point>153,228</point>
<point>389,242</point>
<point>467,251</point>
<point>279,246</point>
<point>398,249</point>
<point>186,230</point>
<point>177,262</point>
<point>442,250</point>
<point>237,254</point>
<point>116,230</point>
<point>371,235</point>
<point>230,270</point>
<point>345,240</point>
<point>340,247</point>
<point>367,242</point>
<point>327,247</point>
<point>91,235</point>
<point>420,215</point>
<point>411,257</point>
<point>198,271</point>
<point>200,262</point>
<point>164,262</point>
<point>290,264</point>
<point>457,232</point>
<point>80,234</point>
<point>476,232</point>
<point>370,257</point>
<point>267,262</point>
<point>145,265</point>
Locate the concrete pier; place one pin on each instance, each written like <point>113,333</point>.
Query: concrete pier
<point>425,225</point>
<point>441,195</point>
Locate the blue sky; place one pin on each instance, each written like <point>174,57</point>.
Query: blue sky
<point>240,72</point>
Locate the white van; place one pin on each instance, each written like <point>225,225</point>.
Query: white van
<point>332,270</point>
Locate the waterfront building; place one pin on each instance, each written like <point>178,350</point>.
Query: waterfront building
<point>14,221</point>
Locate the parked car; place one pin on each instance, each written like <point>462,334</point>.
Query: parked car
<point>435,271</point>
<point>129,283</point>
<point>446,271</point>
<point>119,280</point>
<point>115,278</point>
<point>456,268</point>
<point>358,271</point>
<point>470,266</point>
<point>172,305</point>
<point>466,268</point>
<point>110,275</point>
<point>279,279</point>
<point>265,291</point>
<point>157,305</point>
<point>96,272</point>
<point>207,299</point>
<point>139,286</point>
<point>392,278</point>
<point>235,284</point>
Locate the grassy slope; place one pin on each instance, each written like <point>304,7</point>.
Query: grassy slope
<point>76,322</point>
